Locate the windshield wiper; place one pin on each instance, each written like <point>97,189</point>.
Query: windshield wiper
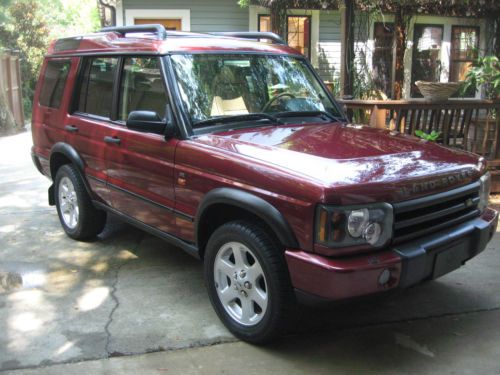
<point>236,118</point>
<point>309,114</point>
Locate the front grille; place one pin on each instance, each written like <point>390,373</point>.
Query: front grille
<point>418,217</point>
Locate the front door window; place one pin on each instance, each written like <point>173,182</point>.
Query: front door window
<point>141,87</point>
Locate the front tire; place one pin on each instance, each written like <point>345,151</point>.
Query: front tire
<point>78,216</point>
<point>248,282</point>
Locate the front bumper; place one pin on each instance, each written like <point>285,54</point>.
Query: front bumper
<point>318,277</point>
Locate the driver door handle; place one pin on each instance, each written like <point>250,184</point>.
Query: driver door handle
<point>114,140</point>
<point>71,128</point>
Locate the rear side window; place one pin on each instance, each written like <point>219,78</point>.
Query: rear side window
<point>96,89</point>
<point>54,81</point>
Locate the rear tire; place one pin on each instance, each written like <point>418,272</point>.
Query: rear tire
<point>78,216</point>
<point>248,282</point>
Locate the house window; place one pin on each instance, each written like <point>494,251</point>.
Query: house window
<point>298,32</point>
<point>264,23</point>
<point>464,48</point>
<point>172,24</point>
<point>382,56</point>
<point>426,63</point>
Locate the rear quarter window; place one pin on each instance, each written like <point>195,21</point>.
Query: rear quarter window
<point>54,81</point>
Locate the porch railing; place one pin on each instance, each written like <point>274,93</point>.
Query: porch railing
<point>469,124</point>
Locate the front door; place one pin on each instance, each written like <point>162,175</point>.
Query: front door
<point>174,24</point>
<point>140,165</point>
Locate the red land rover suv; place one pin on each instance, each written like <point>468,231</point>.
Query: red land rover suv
<point>233,150</point>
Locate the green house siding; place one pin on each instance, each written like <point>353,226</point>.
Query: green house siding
<point>329,45</point>
<point>206,16</point>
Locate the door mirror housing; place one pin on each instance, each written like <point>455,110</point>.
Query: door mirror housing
<point>150,122</point>
<point>146,122</point>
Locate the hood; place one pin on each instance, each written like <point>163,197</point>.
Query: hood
<point>339,155</point>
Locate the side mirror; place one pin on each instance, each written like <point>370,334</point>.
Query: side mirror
<point>146,121</point>
<point>150,122</point>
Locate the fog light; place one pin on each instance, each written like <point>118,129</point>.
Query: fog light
<point>372,233</point>
<point>384,277</point>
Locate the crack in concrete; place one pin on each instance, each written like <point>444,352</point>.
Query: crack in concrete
<point>208,343</point>
<point>116,300</point>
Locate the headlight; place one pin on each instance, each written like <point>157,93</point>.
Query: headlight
<point>484,191</point>
<point>345,226</point>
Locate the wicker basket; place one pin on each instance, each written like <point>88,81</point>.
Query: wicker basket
<point>437,90</point>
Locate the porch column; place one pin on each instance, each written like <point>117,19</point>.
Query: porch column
<point>347,48</point>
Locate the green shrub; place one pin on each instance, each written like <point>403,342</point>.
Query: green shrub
<point>485,71</point>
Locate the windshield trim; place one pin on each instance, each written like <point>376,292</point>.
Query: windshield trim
<point>191,126</point>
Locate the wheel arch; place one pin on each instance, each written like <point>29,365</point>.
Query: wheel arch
<point>63,153</point>
<point>236,203</point>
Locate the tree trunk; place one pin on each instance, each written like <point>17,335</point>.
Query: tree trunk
<point>399,44</point>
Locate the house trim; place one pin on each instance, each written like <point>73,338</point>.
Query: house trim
<point>183,14</point>
<point>119,13</point>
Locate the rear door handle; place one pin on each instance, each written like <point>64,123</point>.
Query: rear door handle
<point>71,128</point>
<point>114,140</point>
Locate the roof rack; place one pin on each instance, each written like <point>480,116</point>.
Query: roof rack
<point>253,35</point>
<point>157,29</point>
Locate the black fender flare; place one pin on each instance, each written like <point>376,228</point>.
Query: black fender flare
<point>253,204</point>
<point>68,151</point>
<point>74,157</point>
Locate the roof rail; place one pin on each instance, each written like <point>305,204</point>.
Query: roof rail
<point>157,29</point>
<point>253,35</point>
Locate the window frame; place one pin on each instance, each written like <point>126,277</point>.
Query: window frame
<point>49,104</point>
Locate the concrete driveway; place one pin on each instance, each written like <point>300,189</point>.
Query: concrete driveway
<point>128,293</point>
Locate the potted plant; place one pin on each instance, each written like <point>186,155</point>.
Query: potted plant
<point>485,71</point>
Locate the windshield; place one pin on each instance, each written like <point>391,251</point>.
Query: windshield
<point>218,86</point>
